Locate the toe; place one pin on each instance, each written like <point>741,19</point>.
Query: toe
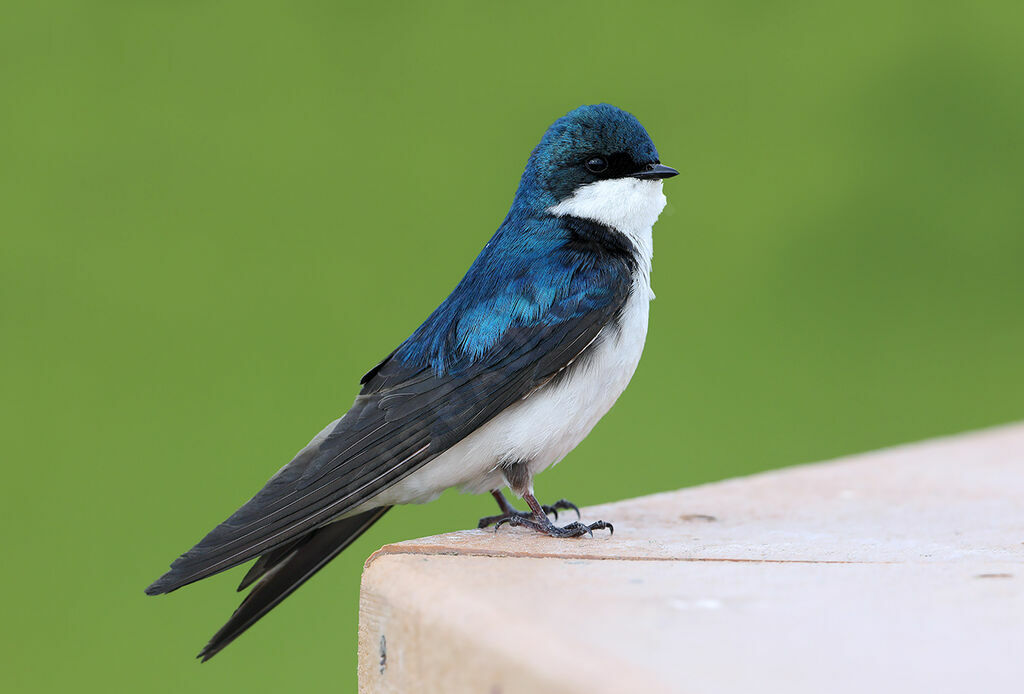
<point>567,505</point>
<point>575,529</point>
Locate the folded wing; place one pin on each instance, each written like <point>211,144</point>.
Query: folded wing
<point>405,416</point>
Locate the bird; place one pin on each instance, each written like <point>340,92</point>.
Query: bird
<point>508,375</point>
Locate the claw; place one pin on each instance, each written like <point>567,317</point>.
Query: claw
<point>539,521</point>
<point>566,505</point>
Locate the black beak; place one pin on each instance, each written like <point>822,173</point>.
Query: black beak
<point>654,171</point>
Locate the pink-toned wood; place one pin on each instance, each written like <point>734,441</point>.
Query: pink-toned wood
<point>898,570</point>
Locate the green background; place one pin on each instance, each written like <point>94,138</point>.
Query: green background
<point>217,215</point>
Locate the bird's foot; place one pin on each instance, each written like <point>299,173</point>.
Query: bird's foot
<point>574,529</point>
<point>503,518</point>
<point>553,509</point>
<point>562,505</point>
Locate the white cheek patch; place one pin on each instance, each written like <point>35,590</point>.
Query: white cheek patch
<point>628,205</point>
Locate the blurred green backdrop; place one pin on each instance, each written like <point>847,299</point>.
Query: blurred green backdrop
<point>217,215</point>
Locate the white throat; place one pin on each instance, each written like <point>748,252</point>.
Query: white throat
<point>630,206</point>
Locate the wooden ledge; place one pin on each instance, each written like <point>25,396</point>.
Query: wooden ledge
<point>901,569</point>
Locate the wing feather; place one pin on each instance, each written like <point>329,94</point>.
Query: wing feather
<point>405,416</point>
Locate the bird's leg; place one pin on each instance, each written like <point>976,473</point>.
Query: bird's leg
<point>507,511</point>
<point>541,523</point>
<point>506,508</point>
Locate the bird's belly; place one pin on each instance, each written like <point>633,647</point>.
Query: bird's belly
<point>544,427</point>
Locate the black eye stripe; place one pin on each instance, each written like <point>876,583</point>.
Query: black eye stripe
<point>615,165</point>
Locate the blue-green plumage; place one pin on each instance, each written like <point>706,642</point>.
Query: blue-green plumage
<point>515,282</point>
<point>530,273</point>
<point>475,396</point>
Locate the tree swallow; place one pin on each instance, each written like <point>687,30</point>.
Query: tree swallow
<point>502,380</point>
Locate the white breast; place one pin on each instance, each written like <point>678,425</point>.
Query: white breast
<point>544,427</point>
<point>555,420</point>
<point>548,424</point>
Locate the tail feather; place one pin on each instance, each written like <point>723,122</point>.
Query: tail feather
<point>286,568</point>
<point>268,561</point>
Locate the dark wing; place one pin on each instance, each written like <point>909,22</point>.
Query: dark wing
<point>403,418</point>
<point>286,568</point>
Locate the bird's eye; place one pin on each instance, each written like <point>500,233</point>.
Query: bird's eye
<point>596,164</point>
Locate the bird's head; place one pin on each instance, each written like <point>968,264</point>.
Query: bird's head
<point>596,162</point>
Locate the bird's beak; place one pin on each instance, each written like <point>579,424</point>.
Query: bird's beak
<point>655,171</point>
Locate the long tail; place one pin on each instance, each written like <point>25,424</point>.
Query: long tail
<point>286,568</point>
